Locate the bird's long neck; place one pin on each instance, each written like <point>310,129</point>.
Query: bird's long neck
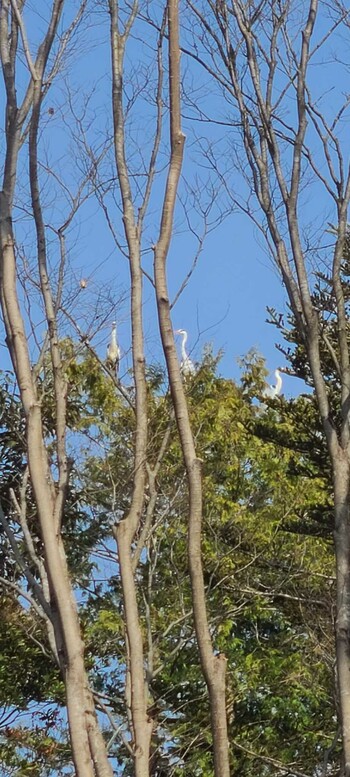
<point>114,335</point>
<point>183,349</point>
<point>278,382</point>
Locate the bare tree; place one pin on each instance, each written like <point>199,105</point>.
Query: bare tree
<point>125,531</point>
<point>213,666</point>
<point>55,594</point>
<point>263,58</point>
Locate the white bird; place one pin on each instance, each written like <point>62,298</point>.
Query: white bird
<point>186,365</point>
<point>273,391</point>
<point>113,350</point>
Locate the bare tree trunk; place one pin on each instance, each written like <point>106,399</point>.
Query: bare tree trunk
<point>125,532</point>
<point>49,500</point>
<point>141,723</point>
<point>213,666</point>
<point>342,623</point>
<point>66,626</point>
<point>248,48</point>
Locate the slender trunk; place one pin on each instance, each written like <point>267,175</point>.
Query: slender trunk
<point>342,625</point>
<point>72,662</point>
<point>213,666</point>
<point>278,180</point>
<point>49,498</point>
<point>218,716</point>
<point>66,624</point>
<point>96,741</point>
<point>141,723</point>
<point>125,531</point>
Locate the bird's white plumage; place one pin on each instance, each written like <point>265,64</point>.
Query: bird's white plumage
<point>186,365</point>
<point>113,350</point>
<point>274,391</point>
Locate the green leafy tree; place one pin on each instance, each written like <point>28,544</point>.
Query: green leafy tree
<point>267,581</point>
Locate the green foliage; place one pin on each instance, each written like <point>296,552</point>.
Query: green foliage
<point>32,751</point>
<point>25,677</point>
<point>294,350</point>
<point>266,495</point>
<point>267,579</point>
<point>11,436</point>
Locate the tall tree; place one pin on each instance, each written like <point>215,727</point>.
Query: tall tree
<point>262,57</point>
<point>213,663</point>
<point>267,581</point>
<point>54,591</point>
<point>213,666</point>
<point>267,589</point>
<point>29,68</point>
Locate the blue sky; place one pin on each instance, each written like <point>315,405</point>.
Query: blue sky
<point>234,280</point>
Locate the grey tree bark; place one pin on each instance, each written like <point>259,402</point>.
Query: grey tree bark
<point>88,749</point>
<point>125,531</point>
<point>262,62</point>
<point>213,666</point>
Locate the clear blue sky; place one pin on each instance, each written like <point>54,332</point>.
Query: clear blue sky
<point>234,280</point>
<point>225,301</point>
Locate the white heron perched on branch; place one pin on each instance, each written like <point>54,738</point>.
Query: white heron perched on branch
<point>186,365</point>
<point>273,391</point>
<point>113,350</point>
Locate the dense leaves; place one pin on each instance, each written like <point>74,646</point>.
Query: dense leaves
<point>269,583</point>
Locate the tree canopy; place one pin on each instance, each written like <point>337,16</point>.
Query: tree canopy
<point>174,543</point>
<point>268,576</point>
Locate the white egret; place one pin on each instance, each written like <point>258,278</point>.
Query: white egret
<point>273,391</point>
<point>113,350</point>
<point>186,365</point>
